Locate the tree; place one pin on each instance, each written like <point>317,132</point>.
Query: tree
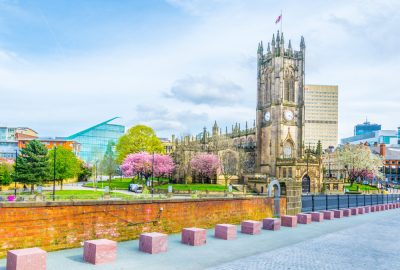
<point>108,164</point>
<point>67,164</point>
<point>205,165</point>
<point>318,151</point>
<point>32,166</point>
<point>6,170</point>
<point>85,171</point>
<point>360,162</point>
<point>228,166</point>
<point>137,139</point>
<point>141,164</point>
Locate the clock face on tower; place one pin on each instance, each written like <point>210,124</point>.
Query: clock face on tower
<point>267,116</point>
<point>288,114</point>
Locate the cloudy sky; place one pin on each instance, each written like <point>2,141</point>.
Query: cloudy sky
<point>177,65</point>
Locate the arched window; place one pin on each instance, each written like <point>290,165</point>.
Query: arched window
<point>288,93</point>
<point>288,150</point>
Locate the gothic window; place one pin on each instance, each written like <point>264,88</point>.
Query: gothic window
<point>287,150</point>
<point>290,172</point>
<point>289,90</point>
<point>284,172</point>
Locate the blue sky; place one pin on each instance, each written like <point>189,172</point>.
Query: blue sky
<point>177,65</point>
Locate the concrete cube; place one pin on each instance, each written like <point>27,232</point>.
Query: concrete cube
<point>99,251</point>
<point>367,209</point>
<point>153,242</point>
<point>303,218</point>
<point>347,212</point>
<point>272,224</point>
<point>360,210</point>
<point>328,214</point>
<point>381,207</point>
<point>289,221</point>
<point>386,207</point>
<point>337,213</point>
<point>251,227</point>
<point>26,259</point>
<point>194,236</point>
<point>225,231</point>
<point>354,211</point>
<point>317,216</point>
<point>372,208</point>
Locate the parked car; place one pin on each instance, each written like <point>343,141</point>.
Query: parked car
<point>135,188</point>
<point>365,182</point>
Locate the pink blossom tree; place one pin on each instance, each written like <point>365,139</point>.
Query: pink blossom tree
<point>205,165</point>
<point>141,165</point>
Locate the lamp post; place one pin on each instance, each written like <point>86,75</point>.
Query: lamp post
<point>54,174</point>
<point>152,176</point>
<point>15,173</point>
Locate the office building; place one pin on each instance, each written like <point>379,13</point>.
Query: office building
<point>321,115</point>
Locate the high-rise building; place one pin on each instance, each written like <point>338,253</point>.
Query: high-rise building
<point>321,115</point>
<point>365,128</point>
<point>94,140</point>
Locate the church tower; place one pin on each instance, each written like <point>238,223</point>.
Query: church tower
<point>280,105</point>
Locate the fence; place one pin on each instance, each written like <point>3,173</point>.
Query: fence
<point>311,203</point>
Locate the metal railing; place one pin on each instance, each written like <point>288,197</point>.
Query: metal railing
<point>310,203</point>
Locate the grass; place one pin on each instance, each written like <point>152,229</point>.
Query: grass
<point>199,187</point>
<point>122,183</point>
<point>82,195</point>
<point>361,186</point>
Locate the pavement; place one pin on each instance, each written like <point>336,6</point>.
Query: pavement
<point>368,241</point>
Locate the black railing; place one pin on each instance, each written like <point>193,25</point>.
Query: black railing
<point>310,203</point>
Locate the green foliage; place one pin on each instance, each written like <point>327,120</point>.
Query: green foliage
<point>6,169</point>
<point>67,164</point>
<point>139,138</point>
<point>32,166</point>
<point>85,172</point>
<point>108,164</point>
<point>318,151</point>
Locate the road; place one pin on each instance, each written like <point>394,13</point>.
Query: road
<point>368,241</point>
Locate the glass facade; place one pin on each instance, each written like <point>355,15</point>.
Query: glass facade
<point>94,140</point>
<point>366,128</point>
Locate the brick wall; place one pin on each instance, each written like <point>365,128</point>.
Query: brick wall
<point>60,225</point>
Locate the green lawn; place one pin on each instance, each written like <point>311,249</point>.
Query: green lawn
<point>199,187</point>
<point>82,195</point>
<point>362,187</point>
<point>122,183</point>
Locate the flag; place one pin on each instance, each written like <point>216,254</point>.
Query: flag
<point>278,19</point>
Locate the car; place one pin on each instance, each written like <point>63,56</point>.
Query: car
<point>135,188</point>
<point>365,182</point>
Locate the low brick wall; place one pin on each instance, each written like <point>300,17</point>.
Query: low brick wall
<point>60,225</point>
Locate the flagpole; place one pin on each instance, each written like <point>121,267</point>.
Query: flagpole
<point>281,21</point>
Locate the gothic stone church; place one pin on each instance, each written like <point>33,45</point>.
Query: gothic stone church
<point>273,146</point>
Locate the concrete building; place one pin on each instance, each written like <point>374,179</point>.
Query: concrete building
<point>388,137</point>
<point>9,137</point>
<point>50,143</point>
<point>321,115</point>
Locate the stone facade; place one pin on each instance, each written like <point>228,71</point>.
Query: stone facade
<point>274,146</point>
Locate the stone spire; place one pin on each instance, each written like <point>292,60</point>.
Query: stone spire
<point>282,40</point>
<point>268,49</point>
<point>278,39</point>
<point>215,129</point>
<point>260,48</point>
<point>290,45</point>
<point>273,41</point>
<point>302,43</point>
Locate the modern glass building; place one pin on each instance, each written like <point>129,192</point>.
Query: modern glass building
<point>365,128</point>
<point>94,140</point>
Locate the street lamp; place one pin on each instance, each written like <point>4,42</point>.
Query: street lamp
<point>54,174</point>
<point>152,176</point>
<point>15,173</point>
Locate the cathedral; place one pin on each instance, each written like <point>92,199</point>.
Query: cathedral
<point>272,147</point>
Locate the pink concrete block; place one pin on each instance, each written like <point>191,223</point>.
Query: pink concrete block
<point>360,210</point>
<point>225,231</point>
<point>390,206</point>
<point>328,214</point>
<point>194,236</point>
<point>347,212</point>
<point>317,216</point>
<point>303,218</point>
<point>251,227</point>
<point>99,251</point>
<point>338,213</point>
<point>381,207</point>
<point>289,221</point>
<point>26,259</point>
<point>153,242</point>
<point>272,224</point>
<point>354,211</point>
<point>377,208</point>
<point>372,208</point>
<point>367,209</point>
<point>386,207</point>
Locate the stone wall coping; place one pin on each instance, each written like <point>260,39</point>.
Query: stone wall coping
<point>117,202</point>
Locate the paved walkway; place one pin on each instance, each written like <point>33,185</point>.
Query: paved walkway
<point>368,241</point>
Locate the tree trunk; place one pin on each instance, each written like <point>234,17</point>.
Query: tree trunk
<point>62,184</point>
<point>32,188</point>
